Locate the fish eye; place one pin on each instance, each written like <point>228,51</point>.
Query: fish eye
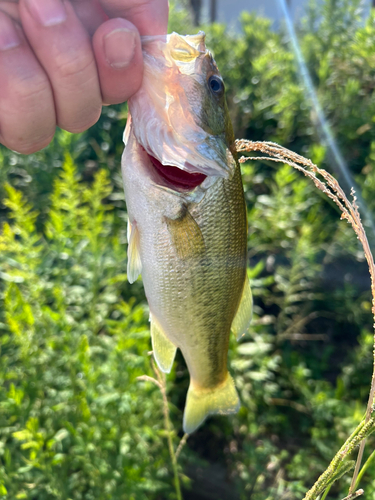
<point>216,85</point>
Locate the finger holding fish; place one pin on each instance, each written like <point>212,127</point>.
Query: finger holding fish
<point>63,48</point>
<point>118,55</point>
<point>27,112</point>
<point>51,74</point>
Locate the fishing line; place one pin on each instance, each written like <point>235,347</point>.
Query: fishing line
<point>324,128</point>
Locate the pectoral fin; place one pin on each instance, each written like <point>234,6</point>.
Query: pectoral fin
<point>203,402</point>
<point>134,258</point>
<point>244,313</point>
<point>186,236</point>
<point>163,349</point>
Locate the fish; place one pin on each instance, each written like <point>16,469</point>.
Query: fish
<point>187,219</point>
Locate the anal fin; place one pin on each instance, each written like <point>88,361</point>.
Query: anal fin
<point>200,403</point>
<point>134,258</point>
<point>163,349</point>
<point>186,236</point>
<point>244,312</point>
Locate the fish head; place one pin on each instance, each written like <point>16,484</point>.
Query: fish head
<point>201,83</point>
<point>179,115</point>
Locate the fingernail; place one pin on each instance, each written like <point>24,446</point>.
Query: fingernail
<point>119,47</point>
<point>47,12</point>
<point>8,34</point>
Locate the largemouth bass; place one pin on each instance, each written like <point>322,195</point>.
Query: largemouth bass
<point>187,229</point>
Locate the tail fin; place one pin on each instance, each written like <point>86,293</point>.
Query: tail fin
<point>200,403</point>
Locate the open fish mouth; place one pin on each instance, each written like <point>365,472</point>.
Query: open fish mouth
<point>178,179</point>
<point>188,183</point>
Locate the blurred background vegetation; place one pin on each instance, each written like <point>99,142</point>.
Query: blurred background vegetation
<point>74,421</point>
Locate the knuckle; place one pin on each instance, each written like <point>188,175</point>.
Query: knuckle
<point>28,93</point>
<point>29,116</point>
<point>78,87</point>
<point>76,67</point>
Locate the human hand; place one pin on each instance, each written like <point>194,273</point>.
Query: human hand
<point>60,60</point>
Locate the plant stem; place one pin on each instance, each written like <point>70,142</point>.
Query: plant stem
<point>357,467</point>
<point>326,492</point>
<point>168,428</point>
<point>350,212</point>
<point>364,468</point>
<point>346,448</point>
<point>370,262</point>
<point>181,444</point>
<point>353,495</point>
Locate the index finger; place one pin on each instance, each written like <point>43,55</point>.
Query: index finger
<point>149,16</point>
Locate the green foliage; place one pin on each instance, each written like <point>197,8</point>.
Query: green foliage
<point>74,421</point>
